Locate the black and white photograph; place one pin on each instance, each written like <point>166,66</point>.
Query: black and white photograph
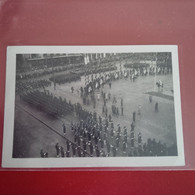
<point>92,106</point>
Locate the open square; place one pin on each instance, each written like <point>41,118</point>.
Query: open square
<point>89,105</point>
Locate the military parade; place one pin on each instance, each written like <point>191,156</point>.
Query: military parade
<point>79,94</point>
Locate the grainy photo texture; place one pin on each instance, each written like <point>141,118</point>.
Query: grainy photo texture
<point>84,105</point>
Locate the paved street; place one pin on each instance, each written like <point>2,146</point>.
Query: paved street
<point>35,130</point>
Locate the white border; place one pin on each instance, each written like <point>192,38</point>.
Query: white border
<point>8,161</point>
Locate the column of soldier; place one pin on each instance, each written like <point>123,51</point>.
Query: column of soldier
<point>46,70</point>
<point>97,137</point>
<point>48,103</point>
<point>22,87</point>
<point>52,105</point>
<point>65,78</point>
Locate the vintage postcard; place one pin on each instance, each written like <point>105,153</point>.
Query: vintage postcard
<point>92,106</point>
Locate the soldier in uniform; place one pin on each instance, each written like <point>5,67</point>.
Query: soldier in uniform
<point>108,149</point>
<point>132,126</point>
<point>64,128</point>
<point>106,112</point>
<point>68,145</point>
<point>68,153</point>
<point>109,118</point>
<point>97,152</point>
<point>156,107</point>
<point>84,145</point>
<point>140,144</point>
<point>112,133</point>
<point>139,110</point>
<point>119,129</point>
<point>100,120</point>
<point>96,138</point>
<point>114,151</point>
<point>124,148</point>
<point>139,139</point>
<point>57,149</point>
<point>72,89</point>
<point>134,115</point>
<point>79,141</point>
<point>73,149</point>
<point>75,137</point>
<point>79,151</point>
<point>91,149</point>
<point>122,111</point>
<point>62,151</point>
<point>102,143</point>
<point>103,109</point>
<point>117,112</point>
<point>121,102</point>
<point>125,131</point>
<point>112,125</point>
<point>150,99</point>
<point>125,138</point>
<point>132,138</point>
<point>72,126</point>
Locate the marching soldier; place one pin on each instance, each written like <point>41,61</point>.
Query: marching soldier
<point>108,148</point>
<point>73,150</point>
<point>134,115</point>
<point>125,138</point>
<point>72,126</point>
<point>97,152</point>
<point>64,128</point>
<point>121,102</point>
<point>139,139</point>
<point>75,137</point>
<point>140,144</point>
<point>132,138</point>
<point>68,153</point>
<point>112,132</point>
<point>72,89</point>
<point>121,111</point>
<point>156,107</point>
<point>79,141</point>
<point>132,126</point>
<point>102,143</point>
<point>119,129</point>
<point>100,120</point>
<point>114,151</point>
<point>110,118</point>
<point>91,149</point>
<point>124,148</point>
<point>62,151</point>
<point>150,99</point>
<point>96,140</point>
<point>139,110</point>
<point>125,131</point>
<point>79,151</point>
<point>68,145</point>
<point>57,149</point>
